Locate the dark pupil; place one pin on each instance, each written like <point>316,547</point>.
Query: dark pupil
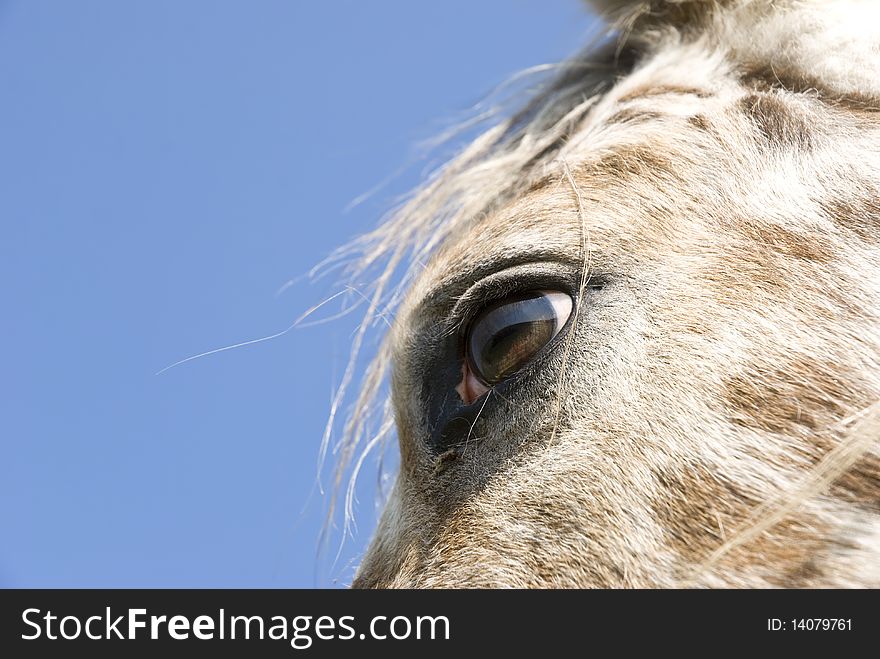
<point>506,336</point>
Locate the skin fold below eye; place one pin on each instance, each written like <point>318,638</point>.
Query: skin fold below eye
<point>506,335</point>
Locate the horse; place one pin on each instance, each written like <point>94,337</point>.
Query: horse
<point>637,343</point>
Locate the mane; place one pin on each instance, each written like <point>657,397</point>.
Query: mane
<point>517,145</point>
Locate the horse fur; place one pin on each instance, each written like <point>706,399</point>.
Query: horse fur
<point>710,180</point>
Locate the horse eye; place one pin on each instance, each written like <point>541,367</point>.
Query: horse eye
<point>508,334</point>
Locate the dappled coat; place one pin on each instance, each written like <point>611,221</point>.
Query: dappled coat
<point>639,343</point>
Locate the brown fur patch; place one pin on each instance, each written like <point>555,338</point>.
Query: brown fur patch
<point>789,243</point>
<point>632,115</point>
<point>861,483</point>
<point>701,122</point>
<point>693,507</point>
<point>633,160</point>
<point>788,398</point>
<point>764,78</point>
<point>699,510</point>
<point>778,124</point>
<point>648,91</point>
<point>791,552</point>
<point>859,215</point>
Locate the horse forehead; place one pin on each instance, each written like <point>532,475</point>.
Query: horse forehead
<point>598,189</point>
<point>674,83</point>
<point>663,134</point>
<point>652,123</point>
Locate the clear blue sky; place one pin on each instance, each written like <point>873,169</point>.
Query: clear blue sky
<point>165,168</point>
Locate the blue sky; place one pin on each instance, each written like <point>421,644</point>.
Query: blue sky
<point>165,168</point>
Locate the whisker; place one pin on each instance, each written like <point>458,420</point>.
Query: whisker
<point>263,339</point>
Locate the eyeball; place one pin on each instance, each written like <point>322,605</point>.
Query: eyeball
<point>505,336</point>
